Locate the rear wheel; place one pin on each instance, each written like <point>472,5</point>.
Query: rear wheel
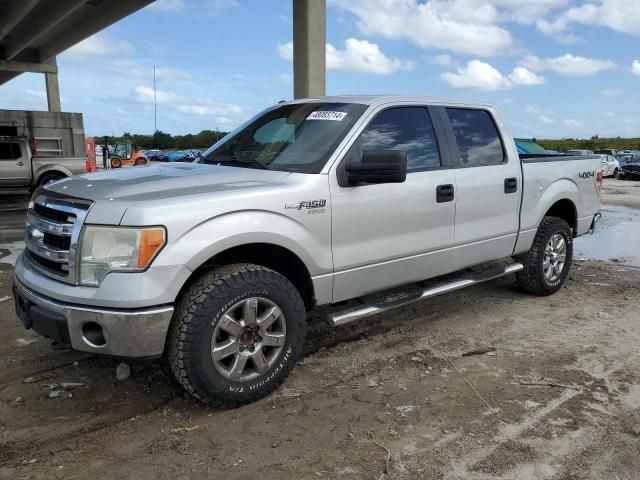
<point>547,263</point>
<point>236,334</point>
<point>615,173</point>
<point>50,177</point>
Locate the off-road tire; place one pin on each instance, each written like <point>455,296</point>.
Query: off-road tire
<point>199,310</point>
<point>532,279</point>
<point>140,161</point>
<point>50,177</point>
<point>620,176</point>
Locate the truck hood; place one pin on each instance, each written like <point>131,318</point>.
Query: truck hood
<point>115,191</point>
<point>155,182</point>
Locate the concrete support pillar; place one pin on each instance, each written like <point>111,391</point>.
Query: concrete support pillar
<point>53,91</point>
<point>309,48</point>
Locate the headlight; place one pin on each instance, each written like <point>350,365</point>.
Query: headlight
<point>117,249</point>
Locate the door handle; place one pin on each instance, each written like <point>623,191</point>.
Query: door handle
<point>20,164</point>
<point>510,185</point>
<point>444,193</point>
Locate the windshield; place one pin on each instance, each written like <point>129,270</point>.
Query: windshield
<point>294,137</point>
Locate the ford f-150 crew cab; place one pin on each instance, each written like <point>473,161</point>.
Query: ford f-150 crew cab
<point>327,201</point>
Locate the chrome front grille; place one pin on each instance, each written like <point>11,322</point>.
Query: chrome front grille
<point>54,224</point>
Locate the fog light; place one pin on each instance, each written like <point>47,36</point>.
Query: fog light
<point>93,335</point>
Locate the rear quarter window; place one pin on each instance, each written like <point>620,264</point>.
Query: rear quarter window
<point>477,136</point>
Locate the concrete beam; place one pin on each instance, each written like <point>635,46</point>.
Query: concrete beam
<point>14,13</point>
<point>21,67</point>
<point>53,91</point>
<point>26,34</point>
<point>101,16</point>
<point>309,48</point>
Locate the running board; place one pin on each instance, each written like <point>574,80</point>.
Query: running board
<point>392,301</point>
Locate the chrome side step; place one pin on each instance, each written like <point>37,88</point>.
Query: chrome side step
<point>358,312</point>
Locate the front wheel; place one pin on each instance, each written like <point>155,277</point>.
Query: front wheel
<point>116,162</point>
<point>236,334</point>
<point>547,263</point>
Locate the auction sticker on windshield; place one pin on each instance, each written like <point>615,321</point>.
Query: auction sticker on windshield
<point>327,115</point>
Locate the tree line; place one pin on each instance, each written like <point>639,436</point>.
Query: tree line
<point>594,143</point>
<point>206,138</point>
<point>166,141</point>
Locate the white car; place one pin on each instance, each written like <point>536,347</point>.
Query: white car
<point>610,165</point>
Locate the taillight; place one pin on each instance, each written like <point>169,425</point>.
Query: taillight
<point>34,146</point>
<point>599,176</point>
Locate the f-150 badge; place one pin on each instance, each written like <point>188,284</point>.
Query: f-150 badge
<point>306,205</point>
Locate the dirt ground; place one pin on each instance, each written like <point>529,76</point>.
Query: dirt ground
<point>391,397</point>
<point>625,193</point>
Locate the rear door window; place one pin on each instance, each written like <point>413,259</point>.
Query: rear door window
<point>9,151</point>
<point>477,136</point>
<point>408,129</point>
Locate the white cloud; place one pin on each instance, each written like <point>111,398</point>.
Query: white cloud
<point>635,67</point>
<point>482,76</point>
<point>477,74</point>
<point>463,26</point>
<point>358,56</point>
<point>205,109</point>
<point>541,115</point>
<point>568,65</point>
<point>444,60</point>
<point>170,74</point>
<point>168,5</point>
<point>620,15</point>
<point>36,94</point>
<point>286,78</point>
<point>525,11</point>
<point>611,92</point>
<point>557,30</point>
<point>216,7</point>
<point>525,77</point>
<point>100,45</point>
<point>145,94</point>
<point>572,123</point>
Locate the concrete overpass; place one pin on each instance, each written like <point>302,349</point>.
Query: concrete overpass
<point>33,32</point>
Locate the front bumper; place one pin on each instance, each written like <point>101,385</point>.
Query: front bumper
<point>128,333</point>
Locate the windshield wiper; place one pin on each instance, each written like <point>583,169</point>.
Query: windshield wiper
<point>252,162</point>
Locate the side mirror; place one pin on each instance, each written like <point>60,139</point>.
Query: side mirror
<point>378,166</point>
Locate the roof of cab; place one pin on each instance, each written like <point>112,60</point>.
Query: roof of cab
<point>383,99</point>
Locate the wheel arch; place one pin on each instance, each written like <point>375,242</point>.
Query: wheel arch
<point>269,255</point>
<point>566,210</point>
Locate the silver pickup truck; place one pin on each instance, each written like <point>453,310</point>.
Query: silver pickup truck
<point>19,168</point>
<point>312,202</point>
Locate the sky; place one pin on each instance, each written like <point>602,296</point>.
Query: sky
<point>555,68</point>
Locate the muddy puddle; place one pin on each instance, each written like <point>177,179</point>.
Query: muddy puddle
<point>617,238</point>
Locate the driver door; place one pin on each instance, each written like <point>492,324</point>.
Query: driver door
<point>390,234</point>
